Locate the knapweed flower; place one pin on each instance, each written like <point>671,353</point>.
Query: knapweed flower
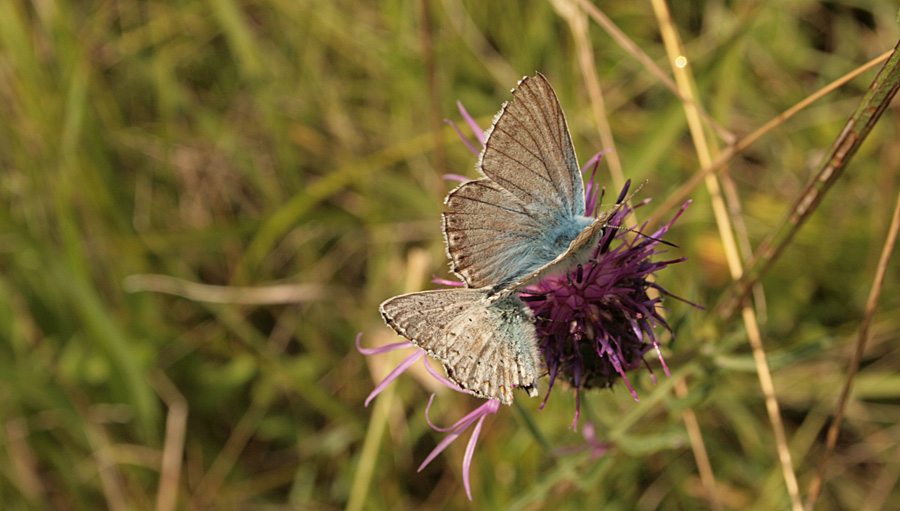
<point>594,323</point>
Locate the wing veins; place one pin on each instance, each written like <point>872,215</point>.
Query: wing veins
<point>485,345</point>
<point>539,157</point>
<point>523,146</point>
<point>553,129</point>
<point>513,211</point>
<point>528,130</point>
<point>496,180</point>
<point>480,243</point>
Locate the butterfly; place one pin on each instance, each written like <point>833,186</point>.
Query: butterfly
<point>524,220</point>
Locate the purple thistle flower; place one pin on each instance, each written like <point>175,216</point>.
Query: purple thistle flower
<point>597,321</point>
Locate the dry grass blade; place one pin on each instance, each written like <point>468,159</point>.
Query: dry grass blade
<point>173,446</point>
<point>887,250</point>
<point>685,85</point>
<point>873,104</point>
<point>768,387</point>
<point>707,477</point>
<point>266,295</point>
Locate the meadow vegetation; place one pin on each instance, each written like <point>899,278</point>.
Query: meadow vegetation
<point>203,203</point>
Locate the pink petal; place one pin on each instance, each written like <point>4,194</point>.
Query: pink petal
<point>595,160</point>
<point>463,137</point>
<point>574,426</point>
<point>614,360</point>
<point>456,177</point>
<point>410,360</point>
<point>463,424</point>
<point>467,458</point>
<point>381,349</point>
<point>445,282</point>
<point>661,359</point>
<point>441,379</point>
<point>428,419</point>
<point>468,419</point>
<point>476,129</point>
<point>441,446</point>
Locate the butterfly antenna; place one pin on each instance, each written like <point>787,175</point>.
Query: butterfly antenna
<point>623,198</point>
<point>632,194</point>
<point>639,233</point>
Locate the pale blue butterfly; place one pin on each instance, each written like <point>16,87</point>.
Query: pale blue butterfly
<point>523,221</point>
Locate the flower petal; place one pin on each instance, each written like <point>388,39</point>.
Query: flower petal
<point>445,282</point>
<point>441,379</point>
<point>461,425</point>
<point>463,137</point>
<point>441,446</point>
<point>456,177</point>
<point>476,129</point>
<point>410,360</point>
<point>467,458</point>
<point>382,349</point>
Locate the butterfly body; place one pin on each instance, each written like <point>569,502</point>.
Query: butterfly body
<point>558,240</point>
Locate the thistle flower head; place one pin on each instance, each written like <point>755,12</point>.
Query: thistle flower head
<point>596,322</point>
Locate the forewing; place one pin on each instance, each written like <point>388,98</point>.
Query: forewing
<point>528,151</point>
<point>488,233</point>
<point>486,348</point>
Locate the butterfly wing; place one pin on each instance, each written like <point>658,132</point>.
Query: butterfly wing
<point>488,232</point>
<point>487,348</point>
<point>528,151</point>
<point>530,209</point>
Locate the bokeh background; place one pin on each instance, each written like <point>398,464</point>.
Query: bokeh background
<point>203,203</point>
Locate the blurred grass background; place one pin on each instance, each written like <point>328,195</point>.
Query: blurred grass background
<point>293,152</point>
